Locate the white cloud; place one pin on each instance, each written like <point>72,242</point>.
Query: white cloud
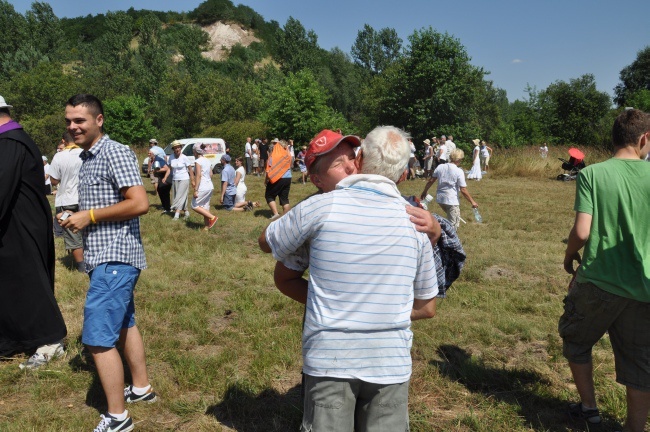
<point>517,61</point>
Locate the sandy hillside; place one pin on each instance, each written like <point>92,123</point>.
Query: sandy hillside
<point>224,36</point>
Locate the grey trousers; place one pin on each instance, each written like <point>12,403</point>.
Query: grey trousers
<point>180,189</point>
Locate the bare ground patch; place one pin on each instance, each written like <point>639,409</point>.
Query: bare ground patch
<point>224,36</point>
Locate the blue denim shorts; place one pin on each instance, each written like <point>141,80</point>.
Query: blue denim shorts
<point>109,304</point>
<point>229,202</point>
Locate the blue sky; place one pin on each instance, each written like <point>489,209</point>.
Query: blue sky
<point>519,42</point>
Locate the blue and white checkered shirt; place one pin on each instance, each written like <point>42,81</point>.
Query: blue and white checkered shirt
<point>109,166</point>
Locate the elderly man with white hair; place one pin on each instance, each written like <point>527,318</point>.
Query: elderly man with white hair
<point>363,290</point>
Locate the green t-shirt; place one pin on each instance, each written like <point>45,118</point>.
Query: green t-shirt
<point>616,256</point>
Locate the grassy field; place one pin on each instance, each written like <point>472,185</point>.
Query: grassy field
<point>223,344</point>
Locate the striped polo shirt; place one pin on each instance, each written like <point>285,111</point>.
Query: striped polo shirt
<point>367,264</point>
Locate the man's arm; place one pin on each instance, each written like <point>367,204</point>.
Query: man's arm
<point>135,204</point>
<point>54,181</point>
<point>290,283</point>
<point>577,238</point>
<point>263,243</point>
<point>423,309</point>
<point>224,185</point>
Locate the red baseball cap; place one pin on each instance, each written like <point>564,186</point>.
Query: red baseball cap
<point>325,142</point>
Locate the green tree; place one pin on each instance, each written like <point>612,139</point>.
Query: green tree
<point>297,48</point>
<point>151,60</point>
<point>44,29</point>
<point>433,88</point>
<point>211,11</point>
<point>343,81</point>
<point>376,50</point>
<point>126,120</point>
<point>570,112</point>
<point>41,91</point>
<point>634,77</point>
<point>640,99</point>
<point>298,109</point>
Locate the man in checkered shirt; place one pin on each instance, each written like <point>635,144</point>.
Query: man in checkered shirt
<point>111,198</point>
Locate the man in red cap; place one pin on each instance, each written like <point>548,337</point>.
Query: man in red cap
<point>363,288</point>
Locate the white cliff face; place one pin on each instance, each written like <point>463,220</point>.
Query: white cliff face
<point>224,36</point>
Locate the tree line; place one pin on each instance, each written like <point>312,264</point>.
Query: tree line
<point>148,69</point>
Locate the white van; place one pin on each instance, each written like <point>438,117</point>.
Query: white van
<point>215,149</point>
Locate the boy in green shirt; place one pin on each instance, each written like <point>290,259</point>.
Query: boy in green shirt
<point>612,289</point>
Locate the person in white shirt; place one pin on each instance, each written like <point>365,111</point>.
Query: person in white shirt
<point>64,172</point>
<point>543,151</point>
<point>428,157</point>
<point>345,361</point>
<point>203,187</point>
<point>451,146</point>
<point>248,153</point>
<point>451,181</point>
<point>180,165</point>
<point>411,174</point>
<point>443,153</point>
<point>485,155</point>
<point>46,171</point>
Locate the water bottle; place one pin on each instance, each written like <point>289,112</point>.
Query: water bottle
<point>477,216</point>
<point>425,202</point>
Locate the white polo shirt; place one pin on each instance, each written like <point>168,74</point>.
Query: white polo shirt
<point>367,265</point>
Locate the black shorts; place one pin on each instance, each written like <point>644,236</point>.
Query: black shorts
<point>278,189</point>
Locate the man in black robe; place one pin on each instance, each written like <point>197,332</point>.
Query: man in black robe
<point>29,315</point>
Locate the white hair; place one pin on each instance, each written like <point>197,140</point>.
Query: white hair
<point>386,152</point>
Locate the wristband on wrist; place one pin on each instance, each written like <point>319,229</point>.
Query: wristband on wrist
<point>92,216</point>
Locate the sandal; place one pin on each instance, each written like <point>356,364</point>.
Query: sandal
<point>590,415</point>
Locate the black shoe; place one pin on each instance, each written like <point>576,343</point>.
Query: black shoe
<point>130,397</point>
<point>109,423</point>
<point>577,413</point>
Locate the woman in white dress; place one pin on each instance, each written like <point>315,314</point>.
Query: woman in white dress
<point>475,172</point>
<point>203,187</point>
<point>240,199</point>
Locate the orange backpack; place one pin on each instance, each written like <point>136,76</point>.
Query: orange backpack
<point>278,164</point>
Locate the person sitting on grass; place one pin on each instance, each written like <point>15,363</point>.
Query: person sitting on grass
<point>228,188</point>
<point>452,180</point>
<point>240,199</point>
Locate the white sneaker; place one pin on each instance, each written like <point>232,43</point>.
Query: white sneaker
<point>187,215</point>
<point>43,355</point>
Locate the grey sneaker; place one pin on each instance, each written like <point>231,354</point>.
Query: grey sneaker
<point>43,355</point>
<point>130,397</point>
<point>108,423</point>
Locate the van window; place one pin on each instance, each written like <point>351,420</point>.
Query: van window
<point>188,151</point>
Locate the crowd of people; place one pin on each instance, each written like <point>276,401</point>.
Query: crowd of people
<point>357,295</point>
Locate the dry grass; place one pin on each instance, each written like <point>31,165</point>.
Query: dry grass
<point>223,345</point>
